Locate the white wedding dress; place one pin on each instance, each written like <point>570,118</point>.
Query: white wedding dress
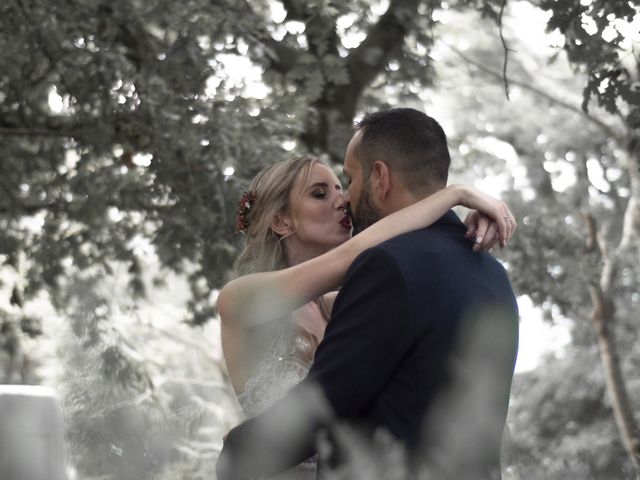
<point>285,364</point>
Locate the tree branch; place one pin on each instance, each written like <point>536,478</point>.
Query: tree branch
<point>592,235</point>
<point>296,10</point>
<point>631,225</point>
<point>320,27</point>
<point>506,50</point>
<point>603,316</point>
<point>60,126</point>
<point>35,132</point>
<point>597,122</point>
<point>282,57</point>
<point>370,57</point>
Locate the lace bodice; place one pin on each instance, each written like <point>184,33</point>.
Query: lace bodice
<point>285,364</point>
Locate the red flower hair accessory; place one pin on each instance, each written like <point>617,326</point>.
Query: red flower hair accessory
<point>244,207</point>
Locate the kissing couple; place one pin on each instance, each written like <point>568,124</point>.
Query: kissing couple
<point>408,329</point>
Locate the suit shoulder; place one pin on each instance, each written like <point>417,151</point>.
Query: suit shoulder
<point>418,242</point>
<point>379,255</point>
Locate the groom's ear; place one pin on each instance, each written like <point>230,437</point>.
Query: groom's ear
<point>282,224</point>
<point>381,178</point>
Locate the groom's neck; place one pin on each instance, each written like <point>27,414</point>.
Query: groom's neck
<point>400,199</point>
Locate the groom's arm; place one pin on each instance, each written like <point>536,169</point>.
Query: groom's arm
<point>364,341</point>
<point>277,440</point>
<point>368,335</point>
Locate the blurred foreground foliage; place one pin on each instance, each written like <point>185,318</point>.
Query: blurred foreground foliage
<point>120,123</point>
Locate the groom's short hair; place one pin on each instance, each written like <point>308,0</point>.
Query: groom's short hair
<point>410,142</point>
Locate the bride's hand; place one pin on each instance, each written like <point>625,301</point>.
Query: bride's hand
<point>483,230</point>
<point>493,222</point>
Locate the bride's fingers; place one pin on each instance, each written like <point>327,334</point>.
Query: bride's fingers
<point>500,222</point>
<point>481,230</point>
<point>511,224</point>
<point>495,227</point>
<point>470,222</point>
<point>491,237</point>
<point>514,223</point>
<point>506,223</point>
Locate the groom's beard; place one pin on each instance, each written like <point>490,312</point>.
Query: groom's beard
<point>366,213</point>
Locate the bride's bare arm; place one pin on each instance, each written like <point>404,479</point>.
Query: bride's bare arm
<point>261,297</point>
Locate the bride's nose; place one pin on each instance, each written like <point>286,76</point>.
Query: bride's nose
<point>341,202</point>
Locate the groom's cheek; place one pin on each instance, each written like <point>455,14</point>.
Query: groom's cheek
<point>350,211</point>
<point>356,227</point>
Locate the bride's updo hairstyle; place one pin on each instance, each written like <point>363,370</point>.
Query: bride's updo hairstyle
<point>271,191</point>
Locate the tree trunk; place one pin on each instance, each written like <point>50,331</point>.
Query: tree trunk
<point>329,117</point>
<point>631,229</point>
<point>328,127</point>
<point>603,317</point>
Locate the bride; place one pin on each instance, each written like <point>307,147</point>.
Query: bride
<point>298,247</point>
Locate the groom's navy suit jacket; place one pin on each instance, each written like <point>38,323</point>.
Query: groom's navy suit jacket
<point>422,342</point>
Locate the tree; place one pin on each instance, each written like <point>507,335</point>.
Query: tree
<point>597,41</point>
<point>136,148</point>
<point>560,269</point>
<point>143,398</point>
<point>120,122</point>
<point>141,135</point>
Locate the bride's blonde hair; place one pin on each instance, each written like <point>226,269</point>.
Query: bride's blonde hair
<point>271,190</point>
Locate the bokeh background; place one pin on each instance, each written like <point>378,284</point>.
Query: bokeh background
<point>129,129</point>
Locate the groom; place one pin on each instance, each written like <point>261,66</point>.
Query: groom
<point>423,334</point>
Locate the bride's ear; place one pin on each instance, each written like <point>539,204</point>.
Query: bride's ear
<point>282,224</point>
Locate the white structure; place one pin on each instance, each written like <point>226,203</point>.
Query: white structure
<point>31,434</point>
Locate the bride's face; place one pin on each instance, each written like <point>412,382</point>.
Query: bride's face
<point>318,214</point>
